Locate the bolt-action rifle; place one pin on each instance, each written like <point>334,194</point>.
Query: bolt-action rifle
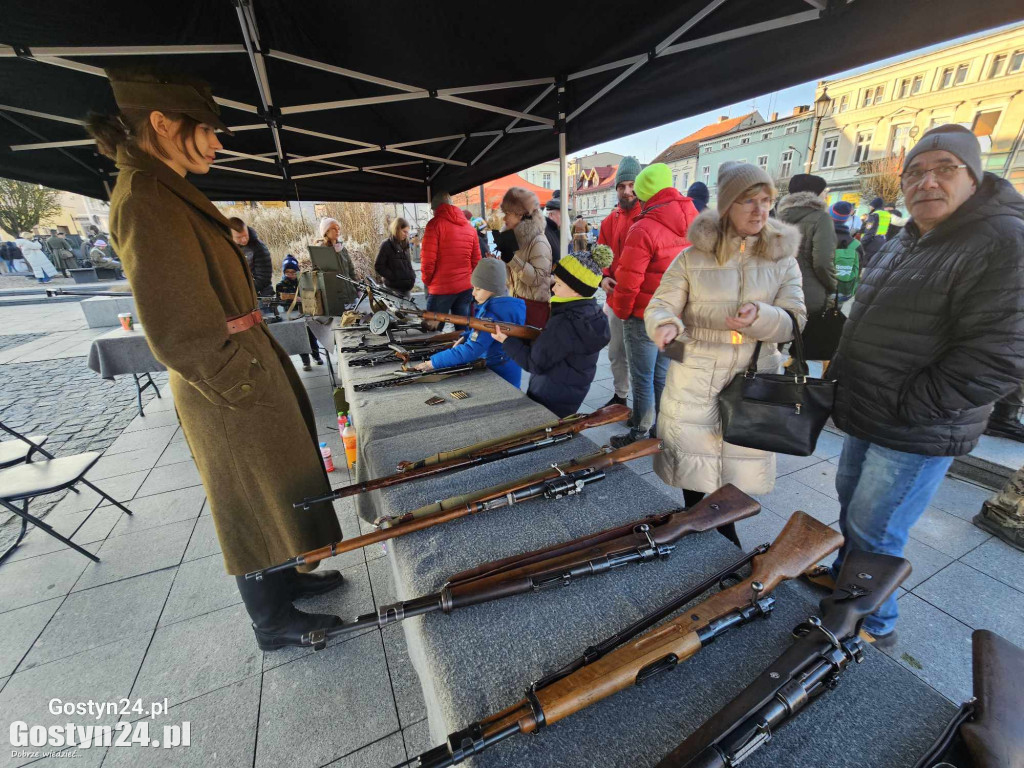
<point>527,332</point>
<point>824,647</point>
<point>651,538</point>
<point>403,376</point>
<point>802,543</point>
<point>397,356</point>
<point>427,341</point>
<point>495,450</point>
<point>988,730</point>
<point>555,482</point>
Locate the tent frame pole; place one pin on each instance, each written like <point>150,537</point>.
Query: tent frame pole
<point>563,228</point>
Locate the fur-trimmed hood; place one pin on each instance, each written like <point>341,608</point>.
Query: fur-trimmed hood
<point>527,230</point>
<point>801,200</point>
<point>783,238</point>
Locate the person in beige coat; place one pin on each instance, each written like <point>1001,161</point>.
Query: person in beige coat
<point>720,296</point>
<point>232,382</point>
<point>529,271</point>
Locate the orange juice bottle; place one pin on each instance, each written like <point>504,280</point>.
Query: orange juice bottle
<point>348,434</point>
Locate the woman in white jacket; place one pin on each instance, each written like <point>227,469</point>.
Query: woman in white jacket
<point>42,267</point>
<point>720,296</point>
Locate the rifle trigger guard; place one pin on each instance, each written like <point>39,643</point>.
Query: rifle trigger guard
<point>536,709</point>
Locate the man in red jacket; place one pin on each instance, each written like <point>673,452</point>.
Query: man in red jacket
<point>449,253</point>
<point>652,243</point>
<point>613,234</point>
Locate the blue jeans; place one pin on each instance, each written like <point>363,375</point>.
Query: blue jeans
<point>451,303</point>
<point>882,493</point>
<point>647,371</point>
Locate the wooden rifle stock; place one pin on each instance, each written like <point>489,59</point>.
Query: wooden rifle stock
<point>527,332</point>
<point>520,573</point>
<point>545,435</point>
<point>802,543</point>
<point>462,506</point>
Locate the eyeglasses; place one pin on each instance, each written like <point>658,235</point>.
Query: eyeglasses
<point>753,203</point>
<point>940,172</point>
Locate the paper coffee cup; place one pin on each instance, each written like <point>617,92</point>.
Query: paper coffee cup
<point>126,320</point>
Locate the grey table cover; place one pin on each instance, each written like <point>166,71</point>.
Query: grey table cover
<point>118,352</point>
<point>479,660</point>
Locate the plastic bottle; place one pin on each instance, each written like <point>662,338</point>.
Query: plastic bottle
<point>349,436</point>
<point>325,452</point>
<point>342,421</point>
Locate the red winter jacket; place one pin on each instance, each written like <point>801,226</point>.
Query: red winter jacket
<point>450,251</point>
<point>613,232</point>
<point>652,243</point>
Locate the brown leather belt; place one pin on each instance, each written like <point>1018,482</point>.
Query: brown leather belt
<point>244,322</point>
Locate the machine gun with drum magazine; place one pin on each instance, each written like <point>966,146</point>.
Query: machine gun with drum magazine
<point>482,453</point>
<point>651,538</point>
<point>603,671</point>
<point>824,647</point>
<point>557,481</point>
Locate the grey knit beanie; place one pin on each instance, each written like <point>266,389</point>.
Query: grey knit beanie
<point>735,178</point>
<point>628,170</point>
<point>490,275</point>
<point>956,140</point>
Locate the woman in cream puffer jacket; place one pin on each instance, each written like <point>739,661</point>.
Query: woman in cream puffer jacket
<point>696,297</point>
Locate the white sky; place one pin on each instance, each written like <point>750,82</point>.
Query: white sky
<point>646,145</point>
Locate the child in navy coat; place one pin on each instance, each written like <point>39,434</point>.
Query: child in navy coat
<point>490,292</point>
<point>562,361</point>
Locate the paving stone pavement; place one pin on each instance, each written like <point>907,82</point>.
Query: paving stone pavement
<point>8,341</point>
<point>158,618</point>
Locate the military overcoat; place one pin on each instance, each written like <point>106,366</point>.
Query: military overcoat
<point>242,406</point>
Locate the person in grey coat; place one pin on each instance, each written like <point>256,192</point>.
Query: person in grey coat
<point>805,208</point>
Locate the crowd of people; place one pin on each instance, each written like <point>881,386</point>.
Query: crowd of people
<point>933,340</point>
<point>45,258</point>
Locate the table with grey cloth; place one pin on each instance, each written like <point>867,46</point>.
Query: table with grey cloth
<point>291,335</point>
<point>479,660</point>
<point>118,352</point>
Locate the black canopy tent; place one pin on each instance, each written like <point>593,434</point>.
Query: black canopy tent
<point>384,102</point>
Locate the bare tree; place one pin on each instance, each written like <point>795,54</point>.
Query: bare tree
<point>881,178</point>
<point>24,205</point>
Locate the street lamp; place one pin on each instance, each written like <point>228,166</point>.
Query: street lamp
<point>822,107</point>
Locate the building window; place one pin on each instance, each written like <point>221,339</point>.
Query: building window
<point>898,140</point>
<point>686,179</point>
<point>725,145</point>
<point>762,162</point>
<point>828,152</point>
<point>546,183</point>
<point>997,66</point>
<point>745,140</point>
<point>904,88</point>
<point>844,102</point>
<point>766,135</point>
<point>869,94</point>
<point>1016,62</point>
<point>947,78</point>
<point>706,173</point>
<point>786,164</point>
<point>915,87</point>
<point>863,148</point>
<point>961,75</point>
<point>675,178</point>
<point>791,129</point>
<point>985,122</point>
<point>879,93</point>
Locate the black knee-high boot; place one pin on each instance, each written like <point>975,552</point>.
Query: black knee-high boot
<point>275,621</point>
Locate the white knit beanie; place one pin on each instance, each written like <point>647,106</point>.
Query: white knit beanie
<point>325,223</point>
<point>735,178</point>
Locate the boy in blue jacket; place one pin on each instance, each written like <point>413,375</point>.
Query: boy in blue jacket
<point>562,361</point>
<point>490,292</point>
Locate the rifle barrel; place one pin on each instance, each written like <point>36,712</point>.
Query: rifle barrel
<point>527,332</point>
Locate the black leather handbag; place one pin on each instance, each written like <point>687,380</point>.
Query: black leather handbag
<point>823,330</point>
<point>776,412</point>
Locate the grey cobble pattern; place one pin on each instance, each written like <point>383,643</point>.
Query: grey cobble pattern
<point>10,340</point>
<point>70,403</point>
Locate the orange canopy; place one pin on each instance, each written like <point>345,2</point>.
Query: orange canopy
<point>495,190</point>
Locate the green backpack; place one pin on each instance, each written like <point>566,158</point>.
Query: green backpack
<point>848,267</point>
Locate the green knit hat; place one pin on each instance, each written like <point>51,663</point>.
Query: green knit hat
<point>651,180</point>
<point>628,169</point>
<point>580,272</point>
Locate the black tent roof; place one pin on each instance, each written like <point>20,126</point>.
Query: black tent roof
<point>335,101</point>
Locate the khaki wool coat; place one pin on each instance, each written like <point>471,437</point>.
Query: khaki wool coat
<point>697,295</point>
<point>243,409</point>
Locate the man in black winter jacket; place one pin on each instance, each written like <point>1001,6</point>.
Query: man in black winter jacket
<point>935,337</point>
<point>256,253</point>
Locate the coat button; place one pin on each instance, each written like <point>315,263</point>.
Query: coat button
<point>246,387</point>
<point>255,361</point>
